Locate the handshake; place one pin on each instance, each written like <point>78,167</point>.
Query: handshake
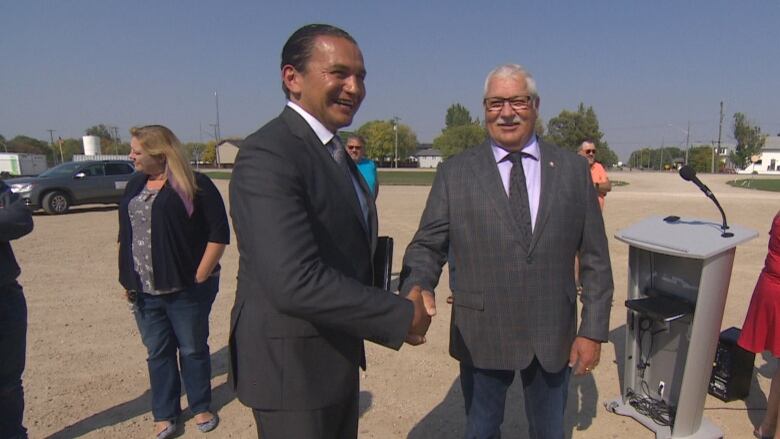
<point>424,308</point>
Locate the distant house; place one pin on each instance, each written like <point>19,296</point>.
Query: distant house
<point>226,153</point>
<point>429,158</point>
<point>768,161</point>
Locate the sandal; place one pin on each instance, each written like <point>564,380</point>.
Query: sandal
<point>169,431</point>
<point>205,427</point>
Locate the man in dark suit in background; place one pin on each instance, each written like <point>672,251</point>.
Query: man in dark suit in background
<point>512,213</point>
<point>306,228</point>
<point>15,222</point>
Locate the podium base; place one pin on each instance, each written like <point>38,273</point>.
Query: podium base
<point>707,430</point>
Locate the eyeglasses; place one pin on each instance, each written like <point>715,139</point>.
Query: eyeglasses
<point>589,151</point>
<point>516,102</point>
<point>354,148</point>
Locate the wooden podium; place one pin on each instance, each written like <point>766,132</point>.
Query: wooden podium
<point>678,278</point>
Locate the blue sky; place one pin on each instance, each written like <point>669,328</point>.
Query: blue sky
<point>647,68</point>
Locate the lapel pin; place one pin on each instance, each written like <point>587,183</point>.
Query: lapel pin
<point>552,164</point>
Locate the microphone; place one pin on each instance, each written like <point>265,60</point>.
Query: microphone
<point>689,174</point>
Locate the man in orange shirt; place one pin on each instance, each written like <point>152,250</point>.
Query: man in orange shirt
<point>597,173</point>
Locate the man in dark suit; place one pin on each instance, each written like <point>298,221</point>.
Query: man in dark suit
<point>512,213</point>
<point>306,228</point>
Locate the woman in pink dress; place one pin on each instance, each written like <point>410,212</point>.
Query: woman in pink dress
<point>761,331</point>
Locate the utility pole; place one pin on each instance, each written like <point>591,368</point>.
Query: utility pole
<point>712,166</point>
<point>115,138</point>
<point>395,130</point>
<point>687,142</point>
<point>51,144</point>
<point>720,126</point>
<point>216,130</point>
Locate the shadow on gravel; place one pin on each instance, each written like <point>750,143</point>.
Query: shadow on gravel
<point>80,209</point>
<point>448,419</point>
<point>220,396</point>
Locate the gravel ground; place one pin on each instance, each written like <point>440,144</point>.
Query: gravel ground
<point>86,374</point>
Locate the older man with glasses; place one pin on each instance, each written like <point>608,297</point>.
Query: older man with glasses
<point>356,148</point>
<point>597,173</point>
<point>511,214</point>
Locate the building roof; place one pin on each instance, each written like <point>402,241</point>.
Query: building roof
<point>234,142</point>
<point>772,143</point>
<point>430,152</point>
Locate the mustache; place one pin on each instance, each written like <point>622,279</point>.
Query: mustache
<point>515,119</point>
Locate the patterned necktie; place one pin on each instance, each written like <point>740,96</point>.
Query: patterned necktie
<point>340,156</point>
<point>518,192</point>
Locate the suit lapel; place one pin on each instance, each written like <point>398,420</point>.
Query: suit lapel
<point>486,174</point>
<point>549,168</point>
<point>341,187</point>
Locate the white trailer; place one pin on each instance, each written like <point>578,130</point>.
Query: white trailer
<point>19,163</point>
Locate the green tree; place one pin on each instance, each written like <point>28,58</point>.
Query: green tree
<point>69,148</point>
<point>100,130</point>
<point>749,139</point>
<point>606,157</point>
<point>453,140</point>
<point>655,158</point>
<point>209,154</point>
<point>194,151</point>
<point>700,158</point>
<point>380,140</point>
<point>539,128</point>
<point>570,128</point>
<point>457,115</point>
<point>108,144</point>
<point>28,145</point>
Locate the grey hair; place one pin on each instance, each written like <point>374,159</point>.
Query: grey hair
<point>579,148</point>
<point>513,71</point>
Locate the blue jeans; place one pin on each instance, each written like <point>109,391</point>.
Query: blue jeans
<point>178,322</point>
<point>13,343</point>
<point>484,392</point>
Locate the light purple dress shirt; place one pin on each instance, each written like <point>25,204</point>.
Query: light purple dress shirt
<point>531,168</point>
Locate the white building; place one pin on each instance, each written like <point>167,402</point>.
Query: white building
<point>768,162</point>
<point>226,153</point>
<point>429,158</point>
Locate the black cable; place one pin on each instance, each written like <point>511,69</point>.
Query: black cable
<point>654,409</point>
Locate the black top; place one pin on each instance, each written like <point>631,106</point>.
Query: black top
<point>15,222</point>
<point>178,241</point>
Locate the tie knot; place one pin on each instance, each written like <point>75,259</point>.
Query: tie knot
<point>516,157</point>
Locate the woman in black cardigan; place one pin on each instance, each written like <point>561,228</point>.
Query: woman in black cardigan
<point>173,230</point>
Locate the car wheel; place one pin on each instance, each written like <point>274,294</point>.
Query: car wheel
<point>56,202</point>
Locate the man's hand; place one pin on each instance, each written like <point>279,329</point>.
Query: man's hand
<point>584,356</point>
<point>424,308</point>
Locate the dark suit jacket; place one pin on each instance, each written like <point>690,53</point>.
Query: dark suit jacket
<point>303,304</point>
<point>514,299</point>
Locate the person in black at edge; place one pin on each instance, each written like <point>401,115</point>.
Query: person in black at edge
<point>15,222</point>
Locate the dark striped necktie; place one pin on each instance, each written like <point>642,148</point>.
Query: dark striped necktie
<point>518,192</point>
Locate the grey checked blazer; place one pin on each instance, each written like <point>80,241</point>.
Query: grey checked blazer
<point>514,299</point>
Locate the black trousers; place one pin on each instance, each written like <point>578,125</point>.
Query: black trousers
<point>339,421</point>
<point>13,343</point>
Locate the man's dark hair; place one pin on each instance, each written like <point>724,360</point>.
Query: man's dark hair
<point>297,49</point>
